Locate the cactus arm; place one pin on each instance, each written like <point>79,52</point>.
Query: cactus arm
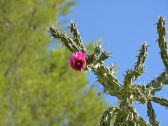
<point>151,114</point>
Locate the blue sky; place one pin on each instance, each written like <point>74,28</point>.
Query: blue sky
<point>124,26</point>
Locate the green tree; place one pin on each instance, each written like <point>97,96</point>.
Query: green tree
<point>37,86</point>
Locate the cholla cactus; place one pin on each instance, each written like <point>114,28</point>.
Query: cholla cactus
<point>124,114</point>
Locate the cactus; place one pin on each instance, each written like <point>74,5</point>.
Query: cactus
<point>125,113</point>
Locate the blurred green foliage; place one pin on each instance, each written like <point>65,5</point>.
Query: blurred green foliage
<point>37,86</point>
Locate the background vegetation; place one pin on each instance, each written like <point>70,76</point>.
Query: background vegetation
<point>37,87</point>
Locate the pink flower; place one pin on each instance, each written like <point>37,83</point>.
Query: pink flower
<point>78,61</point>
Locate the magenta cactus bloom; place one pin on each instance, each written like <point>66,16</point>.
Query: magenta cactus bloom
<point>78,61</point>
